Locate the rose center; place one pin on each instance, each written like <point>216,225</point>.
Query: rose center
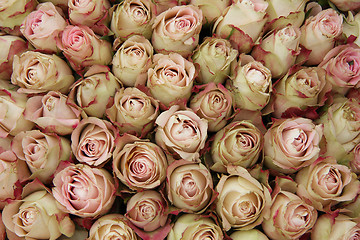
<point>189,186</point>
<point>146,210</point>
<point>28,216</point>
<point>138,13</point>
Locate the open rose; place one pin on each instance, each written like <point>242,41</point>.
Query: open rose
<point>177,30</point>
<point>211,9</point>
<point>84,191</point>
<point>181,132</point>
<point>13,13</point>
<point>42,26</point>
<point>252,234</point>
<point>35,72</point>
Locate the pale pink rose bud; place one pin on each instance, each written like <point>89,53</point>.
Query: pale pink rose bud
<point>92,93</point>
<point>84,191</point>
<point>53,112</point>
<point>181,133</point>
<point>211,9</point>
<point>36,215</point>
<point>41,152</point>
<point>355,161</point>
<point>132,60</point>
<point>133,111</point>
<point>83,48</point>
<point>346,5</point>
<point>112,226</point>
<point>177,30</point>
<point>93,141</point>
<point>319,33</point>
<point>214,103</point>
<point>243,201</point>
<point>351,26</point>
<point>195,227</point>
<point>237,144</point>
<point>171,78</point>
<point>42,26</point>
<point>278,50</point>
<point>242,32</point>
<point>250,84</point>
<point>13,13</point>
<point>147,210</point>
<point>132,17</point>
<point>326,183</point>
<point>252,234</point>
<point>214,57</point>
<point>36,72</point>
<point>139,164</point>
<point>10,46</point>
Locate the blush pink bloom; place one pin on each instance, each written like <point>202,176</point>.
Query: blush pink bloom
<point>355,161</point>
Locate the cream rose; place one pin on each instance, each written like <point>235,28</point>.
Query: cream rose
<point>13,13</point>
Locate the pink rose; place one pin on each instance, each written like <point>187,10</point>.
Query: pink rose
<point>84,191</point>
<point>13,13</point>
<point>355,161</point>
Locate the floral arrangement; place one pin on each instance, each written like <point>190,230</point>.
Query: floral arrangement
<point>179,119</point>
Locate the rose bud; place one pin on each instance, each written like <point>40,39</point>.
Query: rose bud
<point>35,72</point>
<point>351,26</point>
<point>243,201</point>
<point>342,67</point>
<point>214,57</point>
<point>238,144</point>
<point>139,164</point>
<point>319,33</point>
<point>278,50</point>
<point>189,186</point>
<point>196,227</point>
<point>53,112</point>
<point>132,17</point>
<point>252,234</point>
<point>147,210</point>
<point>181,133</point>
<point>355,161</point>
<point>171,78</point>
<point>133,111</point>
<point>84,191</point>
<point>42,26</point>
<point>111,226</point>
<point>211,9</point>
<point>333,227</point>
<point>346,5</point>
<point>10,46</point>
<point>41,152</point>
<point>36,215</point>
<point>93,141</point>
<point>250,84</point>
<point>92,93</point>
<point>242,32</point>
<point>177,30</point>
<point>326,183</point>
<point>132,60</point>
<point>82,48</point>
<point>214,103</point>
<point>303,90</point>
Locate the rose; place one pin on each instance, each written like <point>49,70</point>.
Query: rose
<point>250,84</point>
<point>13,12</point>
<point>147,210</point>
<point>346,5</point>
<point>132,60</point>
<point>177,30</point>
<point>319,32</point>
<point>211,9</point>
<point>181,132</point>
<point>189,186</point>
<point>36,215</point>
<point>326,183</point>
<point>93,141</point>
<point>171,78</point>
<point>252,234</point>
<point>139,164</point>
<point>242,32</point>
<point>11,46</point>
<point>214,57</point>
<point>355,161</point>
<point>36,72</point>
<point>278,50</point>
<point>84,191</point>
<point>132,17</point>
<point>42,152</point>
<point>237,144</point>
<point>214,103</point>
<point>243,201</point>
<point>111,226</point>
<point>92,93</point>
<point>53,112</point>
<point>133,111</point>
<point>82,48</point>
<point>42,26</point>
<point>196,227</point>
<point>351,27</point>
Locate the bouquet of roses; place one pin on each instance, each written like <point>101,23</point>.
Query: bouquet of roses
<point>179,119</point>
